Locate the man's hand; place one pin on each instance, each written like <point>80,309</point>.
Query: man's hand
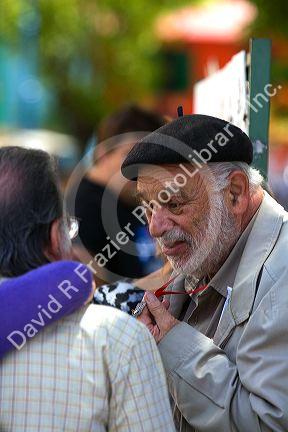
<point>156,317</point>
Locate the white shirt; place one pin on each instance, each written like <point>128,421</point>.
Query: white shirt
<point>95,370</point>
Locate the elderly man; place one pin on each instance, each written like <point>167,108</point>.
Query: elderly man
<point>94,370</point>
<point>223,336</point>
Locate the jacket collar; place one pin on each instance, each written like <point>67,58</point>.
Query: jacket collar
<point>259,245</point>
<point>227,273</point>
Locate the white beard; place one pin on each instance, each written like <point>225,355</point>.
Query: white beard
<point>210,246</point>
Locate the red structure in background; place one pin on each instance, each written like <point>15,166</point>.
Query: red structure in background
<point>208,36</point>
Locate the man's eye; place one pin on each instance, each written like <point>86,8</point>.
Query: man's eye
<point>148,206</point>
<point>174,206</point>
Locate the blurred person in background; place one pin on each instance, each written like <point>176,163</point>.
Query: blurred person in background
<point>104,196</point>
<point>95,369</point>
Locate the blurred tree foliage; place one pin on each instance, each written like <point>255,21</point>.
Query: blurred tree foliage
<point>272,22</point>
<point>95,54</point>
<point>98,54</point>
<point>272,18</point>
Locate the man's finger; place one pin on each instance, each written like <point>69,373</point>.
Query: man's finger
<point>166,303</point>
<point>157,308</point>
<point>145,317</point>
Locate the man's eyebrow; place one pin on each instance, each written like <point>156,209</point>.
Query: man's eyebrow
<point>184,194</point>
<point>179,194</point>
<point>140,196</point>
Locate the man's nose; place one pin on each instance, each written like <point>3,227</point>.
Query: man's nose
<point>160,223</point>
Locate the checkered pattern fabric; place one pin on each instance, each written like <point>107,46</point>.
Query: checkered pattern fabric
<point>95,370</point>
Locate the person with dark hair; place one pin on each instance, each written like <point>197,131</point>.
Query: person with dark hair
<point>105,200</point>
<point>33,231</point>
<point>94,369</point>
<point>131,118</point>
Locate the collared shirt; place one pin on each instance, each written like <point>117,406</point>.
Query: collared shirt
<point>95,370</point>
<point>204,309</point>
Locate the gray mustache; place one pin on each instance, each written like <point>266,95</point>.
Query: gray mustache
<point>172,236</point>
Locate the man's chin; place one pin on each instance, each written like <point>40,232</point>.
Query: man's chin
<point>179,265</point>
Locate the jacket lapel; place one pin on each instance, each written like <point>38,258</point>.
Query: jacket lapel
<point>259,245</point>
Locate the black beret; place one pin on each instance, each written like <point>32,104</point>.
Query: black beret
<point>190,138</point>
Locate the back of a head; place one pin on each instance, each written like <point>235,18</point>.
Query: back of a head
<point>129,119</point>
<point>29,203</point>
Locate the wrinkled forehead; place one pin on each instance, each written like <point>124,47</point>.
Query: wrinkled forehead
<point>185,176</point>
<point>163,173</point>
<point>160,173</point>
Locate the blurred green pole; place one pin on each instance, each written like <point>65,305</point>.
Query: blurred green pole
<point>259,102</point>
<point>2,85</point>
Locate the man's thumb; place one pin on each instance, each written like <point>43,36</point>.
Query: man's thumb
<point>156,308</point>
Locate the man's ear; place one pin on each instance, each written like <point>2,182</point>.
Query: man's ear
<point>238,193</point>
<point>53,250</point>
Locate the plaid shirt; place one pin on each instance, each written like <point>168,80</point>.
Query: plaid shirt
<point>95,370</point>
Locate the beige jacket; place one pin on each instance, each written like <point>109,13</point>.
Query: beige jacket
<point>239,380</point>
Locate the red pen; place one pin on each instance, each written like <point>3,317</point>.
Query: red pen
<point>161,291</point>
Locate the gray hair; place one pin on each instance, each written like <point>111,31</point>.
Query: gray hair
<point>222,170</point>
